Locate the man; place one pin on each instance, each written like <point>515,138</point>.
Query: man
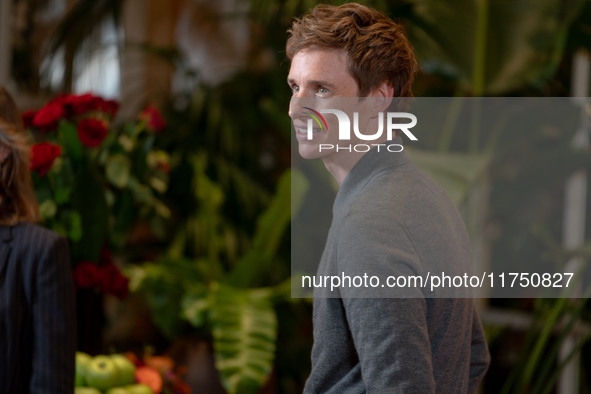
<point>389,219</point>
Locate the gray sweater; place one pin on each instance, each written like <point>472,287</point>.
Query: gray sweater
<point>390,219</point>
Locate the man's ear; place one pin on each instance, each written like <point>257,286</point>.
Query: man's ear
<point>4,152</point>
<point>386,89</point>
<point>382,96</point>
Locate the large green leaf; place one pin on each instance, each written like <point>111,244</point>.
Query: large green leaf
<point>164,285</point>
<point>164,297</point>
<point>271,227</point>
<point>492,46</point>
<point>244,328</point>
<point>272,223</point>
<point>196,304</point>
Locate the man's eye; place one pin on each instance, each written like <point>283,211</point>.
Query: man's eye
<point>322,90</point>
<point>295,88</point>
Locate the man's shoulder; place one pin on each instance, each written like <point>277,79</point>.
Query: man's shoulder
<point>403,192</point>
<point>404,208</point>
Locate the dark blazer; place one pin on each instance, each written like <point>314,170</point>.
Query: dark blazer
<point>37,312</point>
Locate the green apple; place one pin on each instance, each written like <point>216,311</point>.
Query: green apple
<point>125,368</point>
<point>117,390</point>
<point>102,373</point>
<point>139,389</point>
<point>86,390</point>
<point>82,362</point>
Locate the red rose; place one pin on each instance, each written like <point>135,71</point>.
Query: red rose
<point>153,119</point>
<point>109,107</point>
<point>108,275</point>
<point>112,281</point>
<point>27,118</point>
<point>86,275</point>
<point>83,104</point>
<point>43,155</point>
<point>78,105</point>
<point>92,131</point>
<point>48,117</point>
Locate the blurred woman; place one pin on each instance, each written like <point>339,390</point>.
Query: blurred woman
<point>37,315</point>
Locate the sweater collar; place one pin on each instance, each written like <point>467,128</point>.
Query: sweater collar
<point>371,163</point>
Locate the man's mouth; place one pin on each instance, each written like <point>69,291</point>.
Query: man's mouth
<point>301,128</point>
<point>305,130</point>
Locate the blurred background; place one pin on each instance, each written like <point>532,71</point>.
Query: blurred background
<point>179,212</point>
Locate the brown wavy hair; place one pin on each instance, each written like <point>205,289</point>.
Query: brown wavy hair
<point>17,196</point>
<point>377,48</point>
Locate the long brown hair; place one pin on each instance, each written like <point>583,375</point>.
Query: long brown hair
<point>17,196</point>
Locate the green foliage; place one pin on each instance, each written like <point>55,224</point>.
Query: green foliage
<point>70,142</point>
<point>487,44</point>
<point>203,291</point>
<point>269,231</point>
<point>88,199</point>
<point>244,330</point>
<point>162,292</point>
<point>552,317</point>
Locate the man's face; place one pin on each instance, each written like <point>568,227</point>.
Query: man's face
<point>316,76</point>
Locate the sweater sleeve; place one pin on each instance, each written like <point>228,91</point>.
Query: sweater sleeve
<point>479,354</point>
<point>388,325</point>
<point>54,325</point>
<point>392,343</point>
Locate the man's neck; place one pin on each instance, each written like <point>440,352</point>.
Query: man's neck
<point>340,166</point>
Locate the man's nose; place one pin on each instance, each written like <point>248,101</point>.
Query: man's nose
<point>291,107</point>
<point>297,104</point>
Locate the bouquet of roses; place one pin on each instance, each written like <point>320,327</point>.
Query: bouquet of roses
<point>95,178</point>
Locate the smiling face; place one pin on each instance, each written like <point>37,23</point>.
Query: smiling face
<point>316,76</point>
<point>319,79</point>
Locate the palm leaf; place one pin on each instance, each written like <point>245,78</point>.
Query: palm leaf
<point>244,327</point>
<point>271,226</point>
<point>492,46</point>
<point>81,24</point>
